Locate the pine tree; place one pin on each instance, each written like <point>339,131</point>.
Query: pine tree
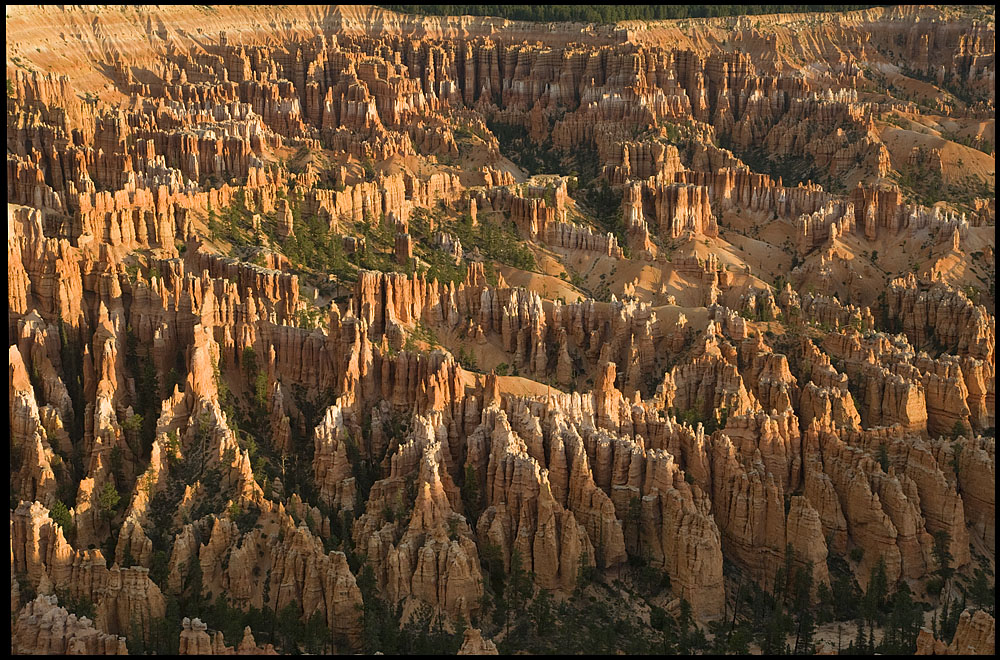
<point>541,612</point>
<point>805,632</point>
<point>519,586</point>
<point>684,623</point>
<point>107,501</point>
<point>860,643</point>
<point>982,593</point>
<point>943,558</point>
<point>942,554</point>
<point>805,620</point>
<point>903,623</point>
<point>878,589</point>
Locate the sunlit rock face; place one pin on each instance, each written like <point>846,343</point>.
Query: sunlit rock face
<point>327,320</point>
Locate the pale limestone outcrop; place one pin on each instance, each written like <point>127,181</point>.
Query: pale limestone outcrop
<point>975,635</point>
<point>521,512</point>
<point>331,466</point>
<point>429,556</point>
<point>44,628</point>
<point>129,603</point>
<point>195,640</point>
<point>473,643</point>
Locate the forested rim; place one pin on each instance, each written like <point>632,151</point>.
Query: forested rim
<point>613,13</point>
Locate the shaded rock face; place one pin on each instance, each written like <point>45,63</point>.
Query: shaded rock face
<point>217,391</point>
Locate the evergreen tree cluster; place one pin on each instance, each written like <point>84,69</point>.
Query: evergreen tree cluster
<point>604,14</point>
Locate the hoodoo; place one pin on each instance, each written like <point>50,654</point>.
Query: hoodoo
<point>594,329</point>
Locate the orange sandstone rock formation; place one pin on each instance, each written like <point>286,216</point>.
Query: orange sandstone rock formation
<point>309,307</point>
